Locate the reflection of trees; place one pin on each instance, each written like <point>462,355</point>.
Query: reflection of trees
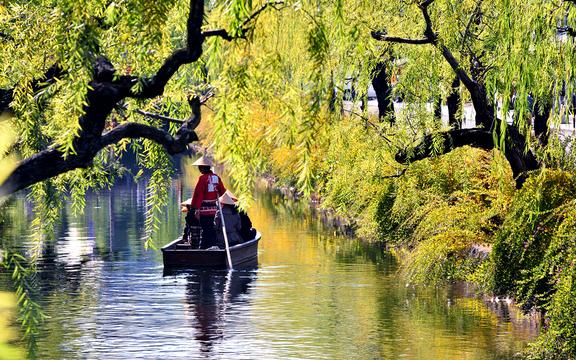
<point>280,206</point>
<point>429,323</point>
<point>360,251</point>
<point>439,323</point>
<point>208,296</point>
<point>69,266</point>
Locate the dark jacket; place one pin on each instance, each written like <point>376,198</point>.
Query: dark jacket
<point>246,230</point>
<point>233,226</point>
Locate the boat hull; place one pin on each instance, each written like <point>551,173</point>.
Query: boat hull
<point>176,255</point>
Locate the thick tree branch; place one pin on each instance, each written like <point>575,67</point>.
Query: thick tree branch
<point>455,65</point>
<point>521,162</point>
<point>223,33</point>
<point>570,31</point>
<point>381,36</point>
<point>136,130</point>
<point>484,110</point>
<point>428,31</point>
<point>154,86</point>
<point>105,91</point>
<point>172,144</point>
<point>37,84</point>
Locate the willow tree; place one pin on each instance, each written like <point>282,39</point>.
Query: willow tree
<point>99,62</point>
<point>497,50</point>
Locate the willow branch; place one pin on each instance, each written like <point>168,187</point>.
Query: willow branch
<point>136,131</point>
<point>468,30</point>
<point>430,38</point>
<point>152,87</point>
<point>159,117</point>
<point>37,84</point>
<point>202,100</point>
<point>368,122</point>
<point>243,29</point>
<point>381,36</point>
<point>106,90</point>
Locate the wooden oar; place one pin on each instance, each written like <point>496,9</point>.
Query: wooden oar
<point>228,257</point>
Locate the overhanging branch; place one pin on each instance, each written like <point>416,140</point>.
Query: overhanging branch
<point>521,161</point>
<point>159,117</point>
<point>430,37</point>
<point>381,36</point>
<point>49,77</point>
<point>106,90</point>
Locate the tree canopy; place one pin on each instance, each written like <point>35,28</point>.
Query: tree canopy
<point>64,62</point>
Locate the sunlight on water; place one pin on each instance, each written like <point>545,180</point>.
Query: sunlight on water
<point>313,295</point>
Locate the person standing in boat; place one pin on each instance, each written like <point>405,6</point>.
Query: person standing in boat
<point>206,193</point>
<point>231,220</point>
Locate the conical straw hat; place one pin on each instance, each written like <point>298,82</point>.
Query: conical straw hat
<point>186,202</point>
<point>203,161</point>
<point>226,199</point>
<point>183,207</point>
<point>234,198</point>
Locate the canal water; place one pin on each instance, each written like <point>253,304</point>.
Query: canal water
<point>313,295</point>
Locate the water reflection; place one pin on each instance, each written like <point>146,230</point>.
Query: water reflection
<point>314,295</point>
<point>209,296</point>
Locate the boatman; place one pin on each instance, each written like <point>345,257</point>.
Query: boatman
<point>208,189</point>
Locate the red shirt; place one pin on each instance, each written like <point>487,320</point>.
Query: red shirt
<point>208,188</point>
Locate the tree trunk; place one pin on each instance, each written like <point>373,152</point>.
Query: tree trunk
<point>438,108</point>
<point>483,106</point>
<point>383,89</point>
<point>454,104</point>
<point>541,115</point>
<point>106,90</point>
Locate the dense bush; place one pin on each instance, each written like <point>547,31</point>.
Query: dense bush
<point>438,211</point>
<point>535,255</point>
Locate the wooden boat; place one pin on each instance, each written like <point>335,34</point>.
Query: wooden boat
<point>178,254</point>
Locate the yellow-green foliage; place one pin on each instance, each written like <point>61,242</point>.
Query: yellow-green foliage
<point>534,224</point>
<point>439,208</point>
<point>445,206</point>
<point>356,162</point>
<point>535,256</point>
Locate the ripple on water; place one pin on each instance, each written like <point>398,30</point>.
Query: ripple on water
<point>314,296</point>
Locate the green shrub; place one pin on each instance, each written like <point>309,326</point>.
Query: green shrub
<point>526,247</point>
<point>534,259</point>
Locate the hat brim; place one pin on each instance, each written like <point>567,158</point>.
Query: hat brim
<point>202,161</point>
<point>186,202</point>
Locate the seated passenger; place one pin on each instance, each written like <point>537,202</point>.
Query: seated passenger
<point>246,230</point>
<point>231,221</point>
<point>192,229</point>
